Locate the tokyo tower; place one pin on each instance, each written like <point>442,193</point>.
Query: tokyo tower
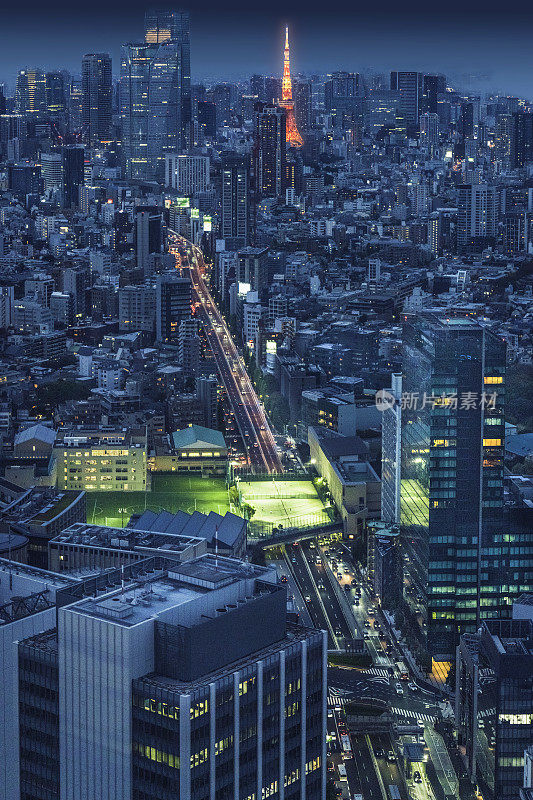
<point>292,135</point>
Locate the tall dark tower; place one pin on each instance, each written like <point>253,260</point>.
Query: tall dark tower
<point>270,150</point>
<point>96,97</point>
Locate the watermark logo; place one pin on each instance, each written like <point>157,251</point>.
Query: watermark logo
<point>417,401</point>
<point>385,400</point>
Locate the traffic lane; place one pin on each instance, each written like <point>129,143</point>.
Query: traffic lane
<point>329,599</point>
<point>229,350</point>
<point>307,589</point>
<point>222,355</point>
<point>283,569</point>
<point>365,779</point>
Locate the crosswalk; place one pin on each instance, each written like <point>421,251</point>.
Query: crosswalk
<point>380,672</point>
<point>407,712</point>
<point>334,701</point>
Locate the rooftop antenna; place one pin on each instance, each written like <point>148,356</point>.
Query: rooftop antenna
<point>216,546</point>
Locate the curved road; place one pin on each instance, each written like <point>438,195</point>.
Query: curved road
<point>248,411</point>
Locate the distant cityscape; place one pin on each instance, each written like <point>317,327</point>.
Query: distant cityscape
<point>266,432</point>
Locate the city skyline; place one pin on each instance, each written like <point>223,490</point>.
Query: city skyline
<point>484,54</point>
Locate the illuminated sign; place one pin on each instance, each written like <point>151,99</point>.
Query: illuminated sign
<point>195,213</point>
<point>271,347</point>
<point>182,202</point>
<point>244,288</point>
<point>208,223</point>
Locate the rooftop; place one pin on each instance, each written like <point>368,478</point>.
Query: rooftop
<point>195,434</point>
<point>166,590</point>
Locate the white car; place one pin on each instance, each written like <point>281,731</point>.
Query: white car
<point>399,688</point>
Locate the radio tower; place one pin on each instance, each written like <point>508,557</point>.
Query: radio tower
<point>292,135</point>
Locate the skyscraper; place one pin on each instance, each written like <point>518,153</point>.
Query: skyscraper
<point>173,304</point>
<point>270,150</point>
<point>96,97</point>
<point>429,129</point>
<point>477,216</point>
<point>452,470</point>
<point>433,85</point>
<point>410,87</point>
<point>235,219</point>
<point>148,235</point>
<point>72,162</point>
<point>301,91</point>
<point>163,26</point>
<point>152,107</point>
<point>56,102</point>
<point>521,139</point>
<point>30,92</point>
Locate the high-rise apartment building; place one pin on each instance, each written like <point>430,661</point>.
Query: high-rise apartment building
<point>163,681</point>
<point>96,97</point>
<point>235,218</point>
<point>429,129</point>
<point>136,308</point>
<point>270,150</point>
<point>187,174</point>
<point>173,304</point>
<point>453,433</point>
<point>477,216</point>
<point>154,109</point>
<point>30,92</point>
<point>52,170</point>
<point>302,94</point>
<point>148,236</point>
<point>410,87</point>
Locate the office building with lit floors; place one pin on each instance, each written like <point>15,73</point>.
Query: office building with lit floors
<point>452,475</point>
<point>494,702</point>
<point>169,685</point>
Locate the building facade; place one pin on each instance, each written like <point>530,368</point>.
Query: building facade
<point>452,470</point>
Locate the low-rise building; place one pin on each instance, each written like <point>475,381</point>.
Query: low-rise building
<point>354,485</point>
<point>101,459</point>
<point>192,449</point>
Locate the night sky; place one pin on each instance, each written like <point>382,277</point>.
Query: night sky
<point>475,48</point>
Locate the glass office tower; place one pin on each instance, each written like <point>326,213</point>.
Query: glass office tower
<point>153,108</point>
<point>452,471</point>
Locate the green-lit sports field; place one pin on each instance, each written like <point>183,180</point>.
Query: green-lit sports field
<point>168,493</point>
<point>279,501</point>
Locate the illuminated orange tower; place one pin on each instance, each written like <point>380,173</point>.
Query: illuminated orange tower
<point>293,135</point>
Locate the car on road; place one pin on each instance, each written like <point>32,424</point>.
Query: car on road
<point>366,636</point>
<point>356,602</point>
<point>420,723</point>
<point>399,688</point>
<point>391,758</point>
<point>367,624</point>
<point>417,777</point>
<point>307,598</point>
<point>413,687</point>
<point>338,632</point>
<point>379,753</point>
